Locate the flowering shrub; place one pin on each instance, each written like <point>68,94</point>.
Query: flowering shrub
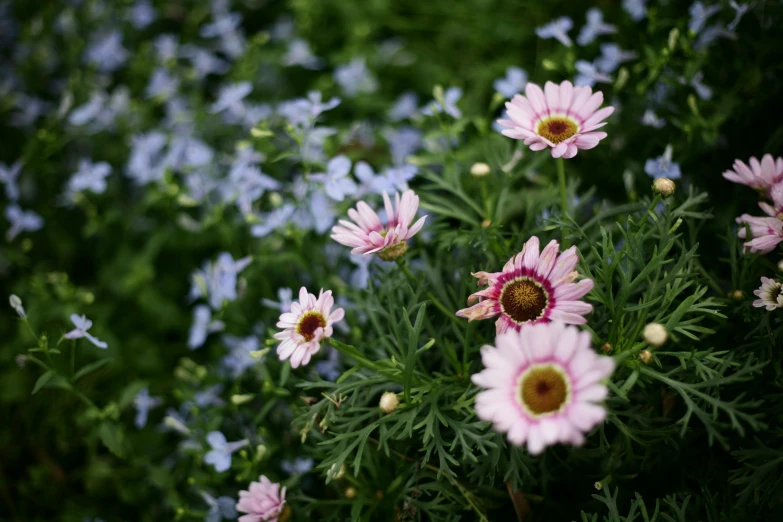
<point>530,284</point>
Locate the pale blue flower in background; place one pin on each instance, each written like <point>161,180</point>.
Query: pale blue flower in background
<point>498,127</point>
<point>147,159</point>
<point>612,56</point>
<point>90,176</point>
<point>220,455</point>
<point>89,111</point>
<point>210,396</point>
<point>329,368</point>
<point>162,84</point>
<point>450,99</point>
<point>273,220</point>
<point>595,27</point>
<point>302,112</point>
<point>106,52</point>
<point>219,508</point>
<point>298,466</point>
<point>186,151</point>
<point>406,106</point>
<point>21,221</point>
<point>700,14</point>
<point>636,9</point>
<point>337,181</point>
<point>202,326</point>
<point>218,281</point>
<point>513,83</point>
<point>709,35</point>
<point>238,360</point>
<point>9,176</point>
<point>739,12</point>
<point>283,29</point>
<point>557,29</point>
<point>204,62</point>
<point>166,47</point>
<point>141,14</point>
<point>299,53</point>
<point>83,324</point>
<point>369,181</point>
<point>247,185</point>
<point>144,402</point>
<point>360,277</point>
<point>403,142</point>
<point>255,112</point>
<point>702,91</point>
<point>230,98</point>
<point>312,149</point>
<point>225,26</point>
<point>101,111</point>
<point>322,212</point>
<point>30,109</point>
<point>284,300</point>
<point>663,166</point>
<point>650,119</point>
<point>400,176</point>
<point>355,78</point>
<point>588,74</point>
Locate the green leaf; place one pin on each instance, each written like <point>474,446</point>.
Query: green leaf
<point>42,381</point>
<point>113,437</point>
<point>90,368</point>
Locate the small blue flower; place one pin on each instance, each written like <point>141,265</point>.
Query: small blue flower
<point>230,98</point>
<point>272,221</point>
<point>650,119</point>
<point>337,181</point>
<point>203,61</point>
<point>142,14</point>
<point>239,360</point>
<point>283,304</point>
<point>708,36</point>
<point>611,58</point>
<point>165,47</point>
<point>399,177</point>
<point>739,12</point>
<point>450,99</point>
<point>360,277</point>
<point>369,182</point>
<point>303,112</point>
<point>299,466</point>
<point>595,27</point>
<point>147,160</point>
<point>406,106</point>
<point>247,185</point>
<point>699,15</point>
<point>702,91</point>
<point>589,74</point>
<point>329,368</point>
<point>202,326</point>
<point>321,212</point>
<point>106,52</point>
<point>143,403</point>
<point>513,83</point>
<point>663,166</point>
<point>299,53</point>
<point>83,324</point>
<point>557,29</point>
<point>220,455</point>
<point>90,177</point>
<point>209,397</point>
<point>162,85</point>
<point>9,176</point>
<point>402,143</point>
<point>219,508</point>
<point>225,26</point>
<point>218,281</point>
<point>636,9</point>
<point>355,78</point>
<point>21,221</point>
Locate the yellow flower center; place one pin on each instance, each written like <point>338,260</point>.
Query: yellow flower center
<point>557,128</point>
<point>523,300</point>
<point>543,389</point>
<point>309,323</point>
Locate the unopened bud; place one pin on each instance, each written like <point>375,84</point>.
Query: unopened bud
<point>606,348</point>
<point>599,486</point>
<point>389,402</point>
<point>479,170</point>
<point>16,304</point>
<point>486,223</point>
<point>176,425</point>
<point>646,356</point>
<point>337,474</point>
<point>737,295</point>
<point>664,187</point>
<point>260,451</point>
<point>238,399</point>
<point>780,265</point>
<point>350,493</point>
<point>655,334</point>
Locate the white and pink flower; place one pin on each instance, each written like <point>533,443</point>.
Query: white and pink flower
<point>307,324</point>
<point>766,233</point>
<point>759,175</point>
<point>543,386</point>
<point>562,117</point>
<point>534,287</point>
<point>368,235</point>
<point>770,294</point>
<point>264,502</point>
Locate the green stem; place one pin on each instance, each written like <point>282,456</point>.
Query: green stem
<point>561,179</point>
<point>440,306</point>
<point>353,353</point>
<point>73,358</point>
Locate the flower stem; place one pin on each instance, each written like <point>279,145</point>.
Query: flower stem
<point>561,179</point>
<point>353,353</point>
<point>440,306</point>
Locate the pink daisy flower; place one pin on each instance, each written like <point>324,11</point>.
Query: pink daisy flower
<point>543,386</point>
<point>532,288</point>
<point>368,235</point>
<point>307,324</point>
<point>759,175</point>
<point>265,502</point>
<point>775,193</point>
<point>562,117</point>
<point>766,233</point>
<point>770,294</point>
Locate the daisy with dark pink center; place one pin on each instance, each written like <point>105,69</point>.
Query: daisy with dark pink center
<point>766,233</point>
<point>759,175</point>
<point>367,234</point>
<point>534,287</point>
<point>543,386</point>
<point>562,117</point>
<point>307,324</point>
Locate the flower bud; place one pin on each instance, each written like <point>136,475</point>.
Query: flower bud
<point>350,493</point>
<point>737,295</point>
<point>486,223</point>
<point>479,170</point>
<point>389,402</point>
<point>780,265</point>
<point>606,348</point>
<point>393,252</point>
<point>655,334</point>
<point>664,187</point>
<point>336,474</point>
<point>238,399</point>
<point>16,304</point>
<point>646,356</point>
<point>599,486</point>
